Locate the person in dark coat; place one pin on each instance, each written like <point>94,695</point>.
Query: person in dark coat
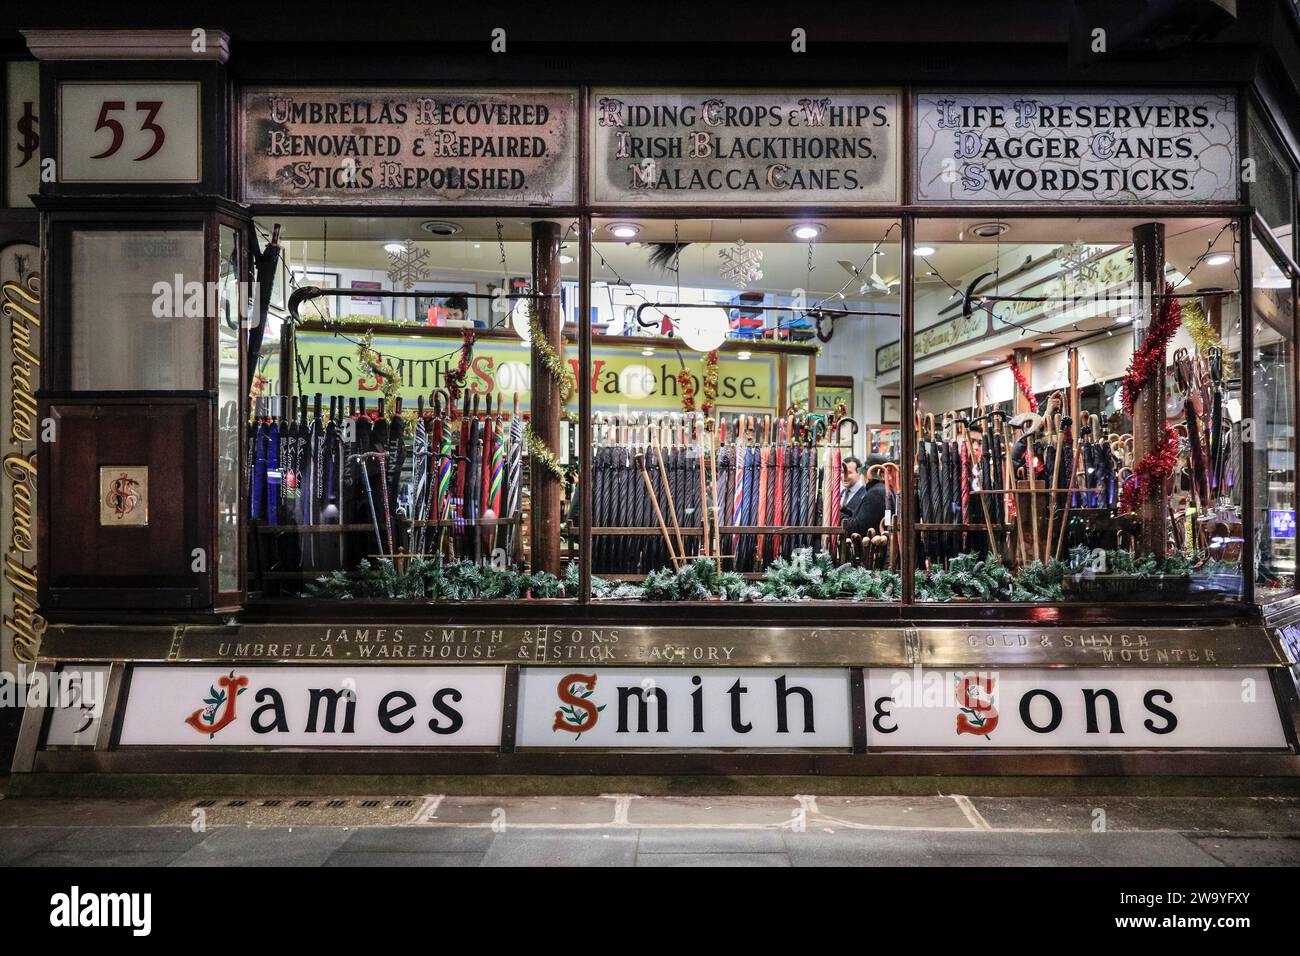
<point>863,506</point>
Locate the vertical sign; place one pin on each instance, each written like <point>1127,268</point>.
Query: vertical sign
<point>20,309</point>
<point>22,136</point>
<point>1025,147</point>
<point>136,131</point>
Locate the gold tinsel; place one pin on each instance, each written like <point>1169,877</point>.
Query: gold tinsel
<point>562,372</point>
<point>1202,335</point>
<point>537,448</point>
<point>390,381</point>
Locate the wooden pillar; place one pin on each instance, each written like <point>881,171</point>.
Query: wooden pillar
<point>1212,305</point>
<point>546,408</point>
<point>1024,359</point>
<point>1149,411</point>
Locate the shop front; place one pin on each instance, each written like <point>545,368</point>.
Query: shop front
<point>572,428</point>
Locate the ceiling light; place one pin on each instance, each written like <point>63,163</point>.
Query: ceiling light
<point>623,230</point>
<point>440,227</point>
<point>1124,319</point>
<point>1047,343</point>
<point>807,230</point>
<point>393,248</point>
<point>924,251</point>
<point>990,230</point>
<point>565,260</point>
<point>986,361</point>
<point>647,352</point>
<point>1218,259</point>
<point>743,356</point>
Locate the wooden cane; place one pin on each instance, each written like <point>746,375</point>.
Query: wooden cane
<point>1009,479</point>
<point>983,499</point>
<point>654,500</point>
<point>1061,423</point>
<point>1075,462</point>
<point>668,491</point>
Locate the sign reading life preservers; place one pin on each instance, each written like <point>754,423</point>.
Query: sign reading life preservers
<point>676,708</point>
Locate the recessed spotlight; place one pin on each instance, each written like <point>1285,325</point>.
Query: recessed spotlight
<point>743,356</point>
<point>924,251</point>
<point>393,248</point>
<point>986,361</point>
<point>1218,259</point>
<point>623,230</point>
<point>1046,343</point>
<point>990,230</point>
<point>440,227</point>
<point>647,352</point>
<point>1123,319</point>
<point>807,230</point>
<point>936,375</point>
<point>565,259</point>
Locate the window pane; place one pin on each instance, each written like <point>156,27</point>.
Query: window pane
<point>231,305</point>
<point>1033,483</point>
<point>398,485</point>
<point>733,443</point>
<point>124,334</point>
<point>1275,439</point>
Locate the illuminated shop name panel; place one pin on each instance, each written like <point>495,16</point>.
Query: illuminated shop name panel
<point>1091,707</point>
<point>619,708</point>
<point>315,706</point>
<point>1066,147</point>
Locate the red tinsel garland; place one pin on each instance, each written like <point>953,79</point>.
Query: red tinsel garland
<point>1149,361</point>
<point>687,384</point>
<point>455,377</point>
<point>1150,473</point>
<point>1021,384</point>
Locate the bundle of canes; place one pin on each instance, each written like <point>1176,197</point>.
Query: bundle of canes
<point>668,492</point>
<point>985,501</point>
<point>654,500</point>
<point>1062,427</point>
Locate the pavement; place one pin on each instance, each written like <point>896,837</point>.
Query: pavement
<point>651,830</point>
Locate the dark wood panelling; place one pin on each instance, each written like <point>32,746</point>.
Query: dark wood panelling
<point>85,564</point>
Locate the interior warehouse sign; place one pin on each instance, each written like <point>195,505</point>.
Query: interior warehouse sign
<point>1026,147</point>
<point>760,147</point>
<point>409,146</point>
<point>1090,707</point>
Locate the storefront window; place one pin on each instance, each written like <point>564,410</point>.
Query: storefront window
<point>232,307</point>
<point>1272,190</point>
<point>409,438</point>
<point>739,450</point>
<point>132,327</point>
<point>1273,304</point>
<point>1037,480</point>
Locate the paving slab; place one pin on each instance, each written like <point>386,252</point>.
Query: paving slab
<point>562,848</point>
<point>129,839</point>
<point>712,811</point>
<point>938,812</point>
<point>1119,848</point>
<point>258,846</point>
<point>522,811</point>
<point>1251,851</point>
<point>100,859</point>
<point>297,811</point>
<point>712,859</point>
<point>59,812</point>
<point>1189,814</point>
<point>417,839</point>
<point>405,859</point>
<point>721,842</point>
<point>17,843</point>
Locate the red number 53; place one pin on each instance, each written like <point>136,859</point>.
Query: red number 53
<point>149,107</point>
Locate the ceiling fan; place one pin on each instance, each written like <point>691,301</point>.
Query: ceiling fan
<point>872,284</point>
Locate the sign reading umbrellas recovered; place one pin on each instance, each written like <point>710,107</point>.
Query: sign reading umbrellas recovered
<point>409,146</point>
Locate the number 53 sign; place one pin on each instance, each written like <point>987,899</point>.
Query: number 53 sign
<point>129,132</point>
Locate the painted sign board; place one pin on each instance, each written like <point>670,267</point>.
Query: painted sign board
<point>300,706</point>
<point>1089,707</point>
<point>1066,147</point>
<point>130,132</point>
<point>421,146</point>
<point>746,147</point>
<point>629,708</point>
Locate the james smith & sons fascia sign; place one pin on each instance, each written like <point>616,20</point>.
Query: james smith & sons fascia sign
<point>1032,147</point>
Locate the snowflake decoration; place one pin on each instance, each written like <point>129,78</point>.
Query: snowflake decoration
<point>409,265</point>
<point>1077,260</point>
<point>741,264</point>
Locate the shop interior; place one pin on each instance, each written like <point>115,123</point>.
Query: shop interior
<point>746,412</point>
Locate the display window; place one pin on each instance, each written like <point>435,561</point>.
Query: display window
<point>413,410</point>
<point>1077,411</point>
<point>740,450</point>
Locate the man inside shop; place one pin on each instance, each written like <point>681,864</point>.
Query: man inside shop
<point>862,508</point>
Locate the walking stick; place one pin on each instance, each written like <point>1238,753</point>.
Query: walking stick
<point>654,500</point>
<point>668,489</point>
<point>1062,423</point>
<point>981,498</point>
<point>1069,495</point>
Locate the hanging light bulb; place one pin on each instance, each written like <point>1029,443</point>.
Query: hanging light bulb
<point>703,329</point>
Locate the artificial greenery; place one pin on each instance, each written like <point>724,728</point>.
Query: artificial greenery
<point>435,580</point>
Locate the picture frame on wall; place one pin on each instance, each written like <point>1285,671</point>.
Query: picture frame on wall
<point>889,410</point>
<point>449,307</point>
